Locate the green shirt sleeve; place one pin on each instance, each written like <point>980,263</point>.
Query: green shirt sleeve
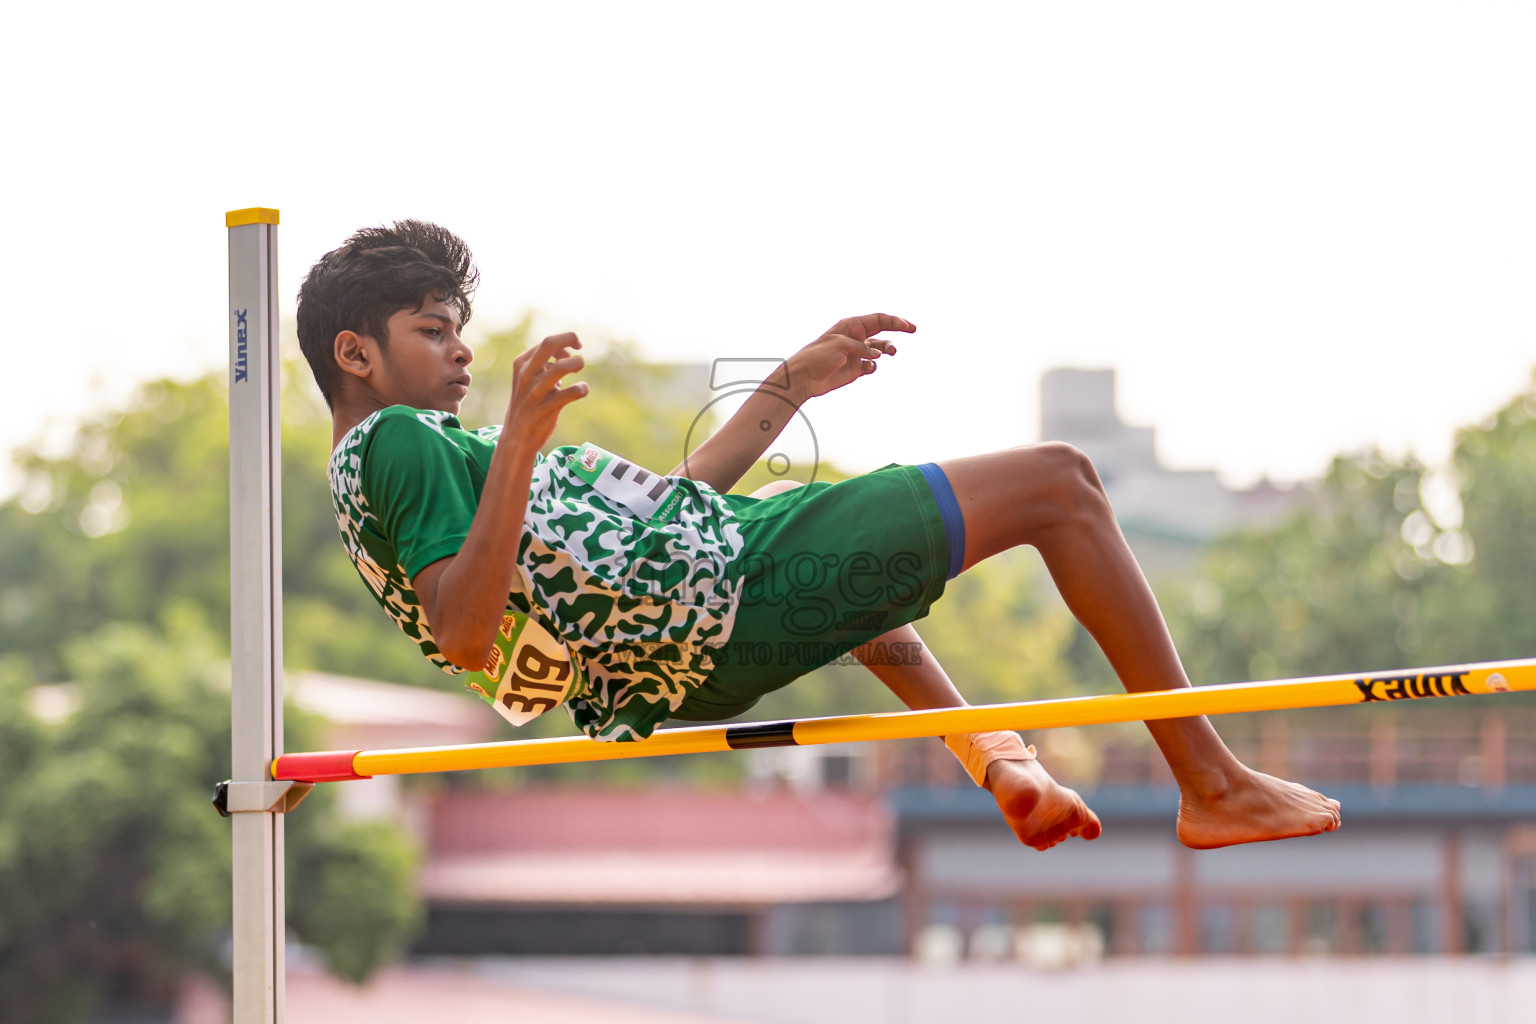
<point>422,488</point>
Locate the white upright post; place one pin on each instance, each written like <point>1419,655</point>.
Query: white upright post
<point>256,609</point>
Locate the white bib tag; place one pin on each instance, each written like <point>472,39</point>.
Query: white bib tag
<point>529,671</point>
<point>646,495</point>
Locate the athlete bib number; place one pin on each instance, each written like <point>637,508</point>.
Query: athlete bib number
<point>529,671</point>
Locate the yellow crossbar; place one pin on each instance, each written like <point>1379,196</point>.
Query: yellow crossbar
<point>1230,698</point>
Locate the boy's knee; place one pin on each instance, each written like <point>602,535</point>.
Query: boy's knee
<point>777,487</point>
<point>1069,477</point>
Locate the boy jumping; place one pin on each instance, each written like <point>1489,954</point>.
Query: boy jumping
<point>651,592</point>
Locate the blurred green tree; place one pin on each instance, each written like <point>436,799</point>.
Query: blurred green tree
<point>114,870</point>
<point>641,410</point>
<point>1369,576</point>
<point>1339,585</point>
<point>1483,611</point>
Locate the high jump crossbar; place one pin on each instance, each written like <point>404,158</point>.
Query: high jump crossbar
<point>1230,698</point>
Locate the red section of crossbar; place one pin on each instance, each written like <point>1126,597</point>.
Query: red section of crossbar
<point>321,766</point>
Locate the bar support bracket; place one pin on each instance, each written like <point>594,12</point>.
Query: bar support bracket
<point>259,797</point>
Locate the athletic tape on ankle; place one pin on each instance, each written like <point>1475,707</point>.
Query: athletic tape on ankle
<point>977,750</point>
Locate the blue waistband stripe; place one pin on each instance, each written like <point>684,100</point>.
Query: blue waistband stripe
<point>949,512</point>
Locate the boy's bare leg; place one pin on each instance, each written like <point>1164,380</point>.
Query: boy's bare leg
<point>1040,810</point>
<point>1049,496</point>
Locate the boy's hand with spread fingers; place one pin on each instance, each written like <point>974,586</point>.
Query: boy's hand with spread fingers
<point>537,398</point>
<point>846,352</point>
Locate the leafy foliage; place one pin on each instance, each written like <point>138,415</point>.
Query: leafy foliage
<point>350,890</point>
<point>114,870</point>
<point>1370,576</point>
<point>1336,584</point>
<point>1487,605</point>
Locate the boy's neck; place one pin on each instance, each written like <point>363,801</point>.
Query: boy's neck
<point>351,409</point>
<point>339,427</point>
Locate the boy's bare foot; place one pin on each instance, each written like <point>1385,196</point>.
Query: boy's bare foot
<point>1040,810</point>
<point>1253,807</point>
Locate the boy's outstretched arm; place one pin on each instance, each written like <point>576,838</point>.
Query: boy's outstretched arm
<point>846,352</point>
<point>465,594</point>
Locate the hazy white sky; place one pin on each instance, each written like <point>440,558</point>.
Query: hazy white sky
<point>1293,228</point>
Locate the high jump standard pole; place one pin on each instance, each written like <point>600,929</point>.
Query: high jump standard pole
<point>256,617</point>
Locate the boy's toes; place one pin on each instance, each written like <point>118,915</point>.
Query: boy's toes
<point>1040,811</point>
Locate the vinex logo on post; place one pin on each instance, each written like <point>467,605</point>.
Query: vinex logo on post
<point>241,364</point>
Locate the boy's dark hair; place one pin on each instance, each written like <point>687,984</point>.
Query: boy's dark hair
<point>374,275</point>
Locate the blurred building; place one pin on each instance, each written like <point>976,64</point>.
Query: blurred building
<point>660,871</point>
<point>1437,854</point>
<point>1167,515</point>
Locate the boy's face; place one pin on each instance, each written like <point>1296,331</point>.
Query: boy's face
<point>424,363</point>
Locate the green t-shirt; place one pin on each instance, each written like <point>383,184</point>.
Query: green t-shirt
<point>627,568</point>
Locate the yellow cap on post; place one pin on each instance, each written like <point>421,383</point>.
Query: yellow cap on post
<point>254,215</point>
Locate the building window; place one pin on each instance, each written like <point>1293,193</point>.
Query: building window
<point>1522,906</point>
<point>1269,929</point>
<point>1155,926</point>
<point>1482,920</point>
<point>1322,930</point>
<point>1103,917</point>
<point>1372,928</point>
<point>1424,924</point>
<point>1218,929</point>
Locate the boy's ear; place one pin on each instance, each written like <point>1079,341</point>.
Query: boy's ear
<point>355,354</point>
